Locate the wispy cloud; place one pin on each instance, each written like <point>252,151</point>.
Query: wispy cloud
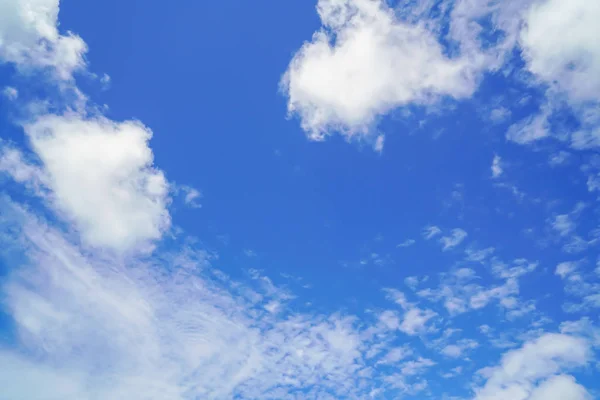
<point>169,326</point>
<point>431,231</point>
<point>456,237</point>
<point>406,243</point>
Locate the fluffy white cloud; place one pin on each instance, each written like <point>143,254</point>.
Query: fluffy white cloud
<point>99,174</point>
<point>529,373</point>
<point>415,321</point>
<point>560,44</point>
<point>29,38</point>
<point>364,62</point>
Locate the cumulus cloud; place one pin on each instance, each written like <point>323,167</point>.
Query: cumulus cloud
<point>99,174</point>
<point>30,39</point>
<point>533,372</point>
<point>560,45</point>
<point>558,42</point>
<point>364,62</point>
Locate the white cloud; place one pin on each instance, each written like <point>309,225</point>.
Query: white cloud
<point>365,62</point>
<point>99,174</point>
<point>105,81</point>
<point>500,114</point>
<point>458,349</point>
<point>532,372</point>
<point>10,93</point>
<point>396,354</point>
<point>560,387</point>
<point>560,44</point>
<point>415,321</point>
<point>483,296</point>
<point>13,163</point>
<point>378,146</point>
<point>563,224</point>
<point>456,237</point>
<point>479,255</point>
<point>496,166</point>
<point>191,195</point>
<point>431,231</point>
<point>89,325</point>
<point>406,243</point>
<point>532,128</point>
<point>452,350</point>
<point>29,38</point>
<point>559,158</point>
<point>417,366</point>
<point>564,269</point>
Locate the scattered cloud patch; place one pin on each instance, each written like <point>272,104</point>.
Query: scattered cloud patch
<point>406,243</point>
<point>429,232</point>
<point>456,237</point>
<point>10,93</point>
<point>496,168</point>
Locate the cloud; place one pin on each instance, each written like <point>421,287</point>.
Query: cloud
<point>565,268</point>
<point>190,195</point>
<point>479,255</point>
<point>533,372</point>
<point>99,174</point>
<point>532,128</point>
<point>406,243</point>
<point>559,158</point>
<point>10,93</point>
<point>30,39</point>
<point>364,62</point>
<point>417,366</point>
<point>570,61</point>
<point>496,167</point>
<point>563,224</point>
<point>431,231</point>
<point>415,319</point>
<point>567,64</point>
<point>90,324</point>
<point>500,114</point>
<point>458,349</point>
<point>455,238</point>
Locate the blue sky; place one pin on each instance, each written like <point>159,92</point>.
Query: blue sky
<point>345,199</point>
